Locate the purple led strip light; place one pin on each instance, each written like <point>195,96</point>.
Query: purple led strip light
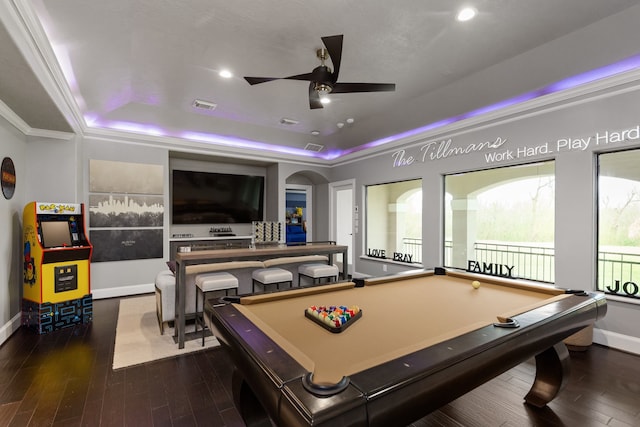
<point>625,65</point>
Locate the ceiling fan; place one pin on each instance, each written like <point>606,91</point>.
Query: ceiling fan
<point>324,81</point>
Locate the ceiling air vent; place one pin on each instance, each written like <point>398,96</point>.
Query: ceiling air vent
<point>314,147</point>
<point>204,105</point>
<point>289,122</point>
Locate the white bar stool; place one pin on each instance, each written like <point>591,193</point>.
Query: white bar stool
<point>165,285</point>
<point>318,272</point>
<point>271,276</point>
<point>210,282</point>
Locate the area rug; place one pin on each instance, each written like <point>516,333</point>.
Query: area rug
<point>138,338</point>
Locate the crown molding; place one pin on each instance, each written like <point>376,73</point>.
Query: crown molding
<point>15,120</point>
<point>615,85</point>
<point>180,144</point>
<point>31,40</point>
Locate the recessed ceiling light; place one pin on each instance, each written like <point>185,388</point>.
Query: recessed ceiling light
<point>315,132</point>
<point>466,14</point>
<point>350,120</point>
<point>225,74</point>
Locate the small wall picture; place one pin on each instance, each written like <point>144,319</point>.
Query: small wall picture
<point>8,178</point>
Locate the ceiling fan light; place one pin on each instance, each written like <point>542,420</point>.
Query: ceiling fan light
<point>325,100</point>
<point>323,88</point>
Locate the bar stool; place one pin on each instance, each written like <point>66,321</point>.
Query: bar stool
<point>165,285</point>
<point>271,276</point>
<point>292,263</point>
<point>210,282</point>
<point>318,272</point>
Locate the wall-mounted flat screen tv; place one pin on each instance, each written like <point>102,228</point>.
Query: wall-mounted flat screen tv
<point>216,198</point>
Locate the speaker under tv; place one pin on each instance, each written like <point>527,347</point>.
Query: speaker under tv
<point>216,198</point>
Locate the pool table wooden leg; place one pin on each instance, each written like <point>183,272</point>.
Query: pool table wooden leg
<point>247,403</point>
<point>552,371</point>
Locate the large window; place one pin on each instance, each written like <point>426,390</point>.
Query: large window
<point>501,221</point>
<point>394,221</point>
<point>619,223</point>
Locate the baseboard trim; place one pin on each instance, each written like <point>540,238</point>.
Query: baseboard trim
<point>10,327</point>
<point>122,291</point>
<point>618,341</point>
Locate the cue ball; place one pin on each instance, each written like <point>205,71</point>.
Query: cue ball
<point>475,284</point>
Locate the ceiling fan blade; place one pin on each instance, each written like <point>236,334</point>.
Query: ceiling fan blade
<point>306,77</point>
<point>257,80</point>
<point>363,87</point>
<point>334,47</point>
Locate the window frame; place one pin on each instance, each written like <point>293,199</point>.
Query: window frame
<point>502,246</point>
<point>386,257</point>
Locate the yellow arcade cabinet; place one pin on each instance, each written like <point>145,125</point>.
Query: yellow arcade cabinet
<point>56,291</point>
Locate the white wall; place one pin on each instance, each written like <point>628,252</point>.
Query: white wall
<point>109,279</point>
<point>119,278</point>
<point>575,220</point>
<point>52,173</point>
<point>14,146</point>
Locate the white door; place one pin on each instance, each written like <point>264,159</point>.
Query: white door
<point>342,217</point>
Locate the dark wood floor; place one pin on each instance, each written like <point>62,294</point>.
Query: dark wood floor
<point>65,379</point>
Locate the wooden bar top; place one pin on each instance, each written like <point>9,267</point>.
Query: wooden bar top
<point>259,252</point>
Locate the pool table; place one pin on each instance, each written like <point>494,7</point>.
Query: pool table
<point>423,339</point>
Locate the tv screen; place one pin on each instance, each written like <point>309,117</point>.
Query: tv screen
<point>215,198</point>
<point>55,234</point>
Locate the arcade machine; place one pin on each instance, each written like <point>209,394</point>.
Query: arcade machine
<point>57,256</point>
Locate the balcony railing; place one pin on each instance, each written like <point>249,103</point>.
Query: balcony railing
<point>531,262</point>
<point>413,247</point>
<point>619,273</point>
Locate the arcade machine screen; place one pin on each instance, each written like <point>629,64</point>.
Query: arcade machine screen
<point>55,234</point>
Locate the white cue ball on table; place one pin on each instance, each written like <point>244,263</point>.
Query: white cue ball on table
<point>475,284</point>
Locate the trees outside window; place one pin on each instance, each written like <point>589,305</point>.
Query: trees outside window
<point>619,223</point>
<point>502,217</point>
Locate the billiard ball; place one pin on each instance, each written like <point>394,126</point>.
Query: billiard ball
<point>475,284</point>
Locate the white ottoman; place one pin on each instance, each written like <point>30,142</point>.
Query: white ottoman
<point>318,272</point>
<point>271,276</point>
<point>165,298</point>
